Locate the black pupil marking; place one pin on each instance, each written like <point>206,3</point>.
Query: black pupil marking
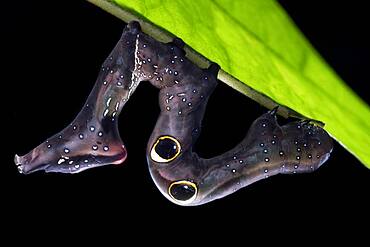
<point>166,148</point>
<point>182,192</point>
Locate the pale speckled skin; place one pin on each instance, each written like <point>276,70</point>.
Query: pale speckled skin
<point>268,148</point>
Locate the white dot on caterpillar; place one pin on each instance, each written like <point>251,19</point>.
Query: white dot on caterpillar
<point>241,161</point>
<point>105,148</point>
<point>266,171</point>
<point>180,112</point>
<point>298,157</point>
<point>121,76</point>
<point>263,125</point>
<point>155,66</point>
<point>189,104</point>
<point>233,170</point>
<point>49,146</point>
<point>168,108</point>
<point>66,150</point>
<point>81,136</point>
<point>176,81</point>
<point>183,99</point>
<point>265,151</point>
<point>105,82</point>
<point>267,159</point>
<point>70,162</point>
<point>172,61</point>
<point>92,128</point>
<point>273,142</point>
<point>281,153</point>
<point>295,166</point>
<point>61,160</point>
<point>227,165</point>
<point>298,149</point>
<point>94,147</point>
<point>262,144</point>
<point>175,72</point>
<point>100,133</point>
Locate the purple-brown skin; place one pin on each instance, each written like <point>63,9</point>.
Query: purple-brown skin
<point>92,139</point>
<point>181,176</point>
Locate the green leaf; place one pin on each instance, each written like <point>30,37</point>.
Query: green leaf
<point>256,42</point>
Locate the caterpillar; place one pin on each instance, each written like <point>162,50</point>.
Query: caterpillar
<point>92,139</point>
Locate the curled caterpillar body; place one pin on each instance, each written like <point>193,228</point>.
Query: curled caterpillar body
<point>92,139</point>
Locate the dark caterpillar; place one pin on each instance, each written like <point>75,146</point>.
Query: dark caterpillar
<point>92,139</point>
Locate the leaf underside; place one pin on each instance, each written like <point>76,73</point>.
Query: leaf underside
<point>256,43</point>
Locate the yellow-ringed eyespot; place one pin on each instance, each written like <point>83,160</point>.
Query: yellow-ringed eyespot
<point>165,149</point>
<point>183,191</point>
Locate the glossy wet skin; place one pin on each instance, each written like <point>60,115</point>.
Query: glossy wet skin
<point>268,149</point>
<point>92,139</point>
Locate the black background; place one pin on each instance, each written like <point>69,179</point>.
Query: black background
<point>52,55</point>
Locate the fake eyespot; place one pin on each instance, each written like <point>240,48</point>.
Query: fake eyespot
<point>165,149</point>
<point>183,191</point>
